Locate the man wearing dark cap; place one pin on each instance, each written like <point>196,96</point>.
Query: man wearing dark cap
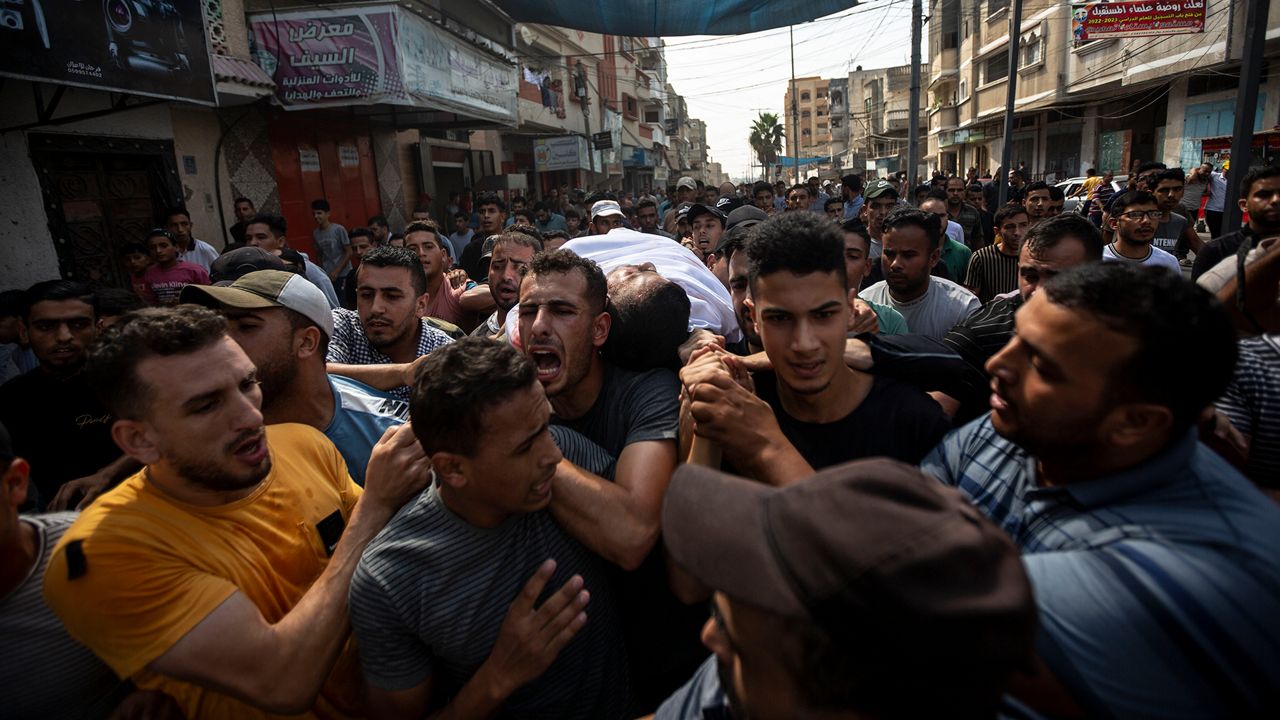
<point>736,226</point>
<point>234,264</point>
<point>686,192</point>
<point>283,323</point>
<point>707,223</point>
<point>864,591</point>
<point>881,198</point>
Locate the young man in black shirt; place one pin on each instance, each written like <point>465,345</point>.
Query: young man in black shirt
<point>55,418</point>
<point>1260,197</point>
<point>812,410</point>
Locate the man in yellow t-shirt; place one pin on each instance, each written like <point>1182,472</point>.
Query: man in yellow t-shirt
<point>219,573</point>
<point>1090,184</point>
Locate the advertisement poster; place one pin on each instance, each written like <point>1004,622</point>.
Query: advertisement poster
<point>379,55</point>
<point>568,152</point>
<point>156,48</point>
<point>320,58</point>
<point>1099,21</point>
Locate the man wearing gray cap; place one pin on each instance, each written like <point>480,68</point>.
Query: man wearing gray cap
<point>283,323</point>
<point>686,192</point>
<point>606,215</point>
<point>867,590</point>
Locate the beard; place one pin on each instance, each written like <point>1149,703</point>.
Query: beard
<point>207,475</point>
<point>276,374</point>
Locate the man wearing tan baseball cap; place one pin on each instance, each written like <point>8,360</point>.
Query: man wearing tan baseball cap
<point>868,590</point>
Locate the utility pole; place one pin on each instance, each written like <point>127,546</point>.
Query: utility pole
<point>795,107</point>
<point>1011,95</point>
<point>913,123</point>
<point>1246,107</point>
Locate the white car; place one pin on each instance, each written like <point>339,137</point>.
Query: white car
<point>1072,185</point>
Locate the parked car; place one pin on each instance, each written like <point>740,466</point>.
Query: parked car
<point>1073,185</point>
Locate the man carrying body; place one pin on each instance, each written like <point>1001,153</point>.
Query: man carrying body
<point>219,573</point>
<point>458,304</point>
<point>164,279</point>
<point>993,270</point>
<point>1260,198</point>
<point>968,217</point>
<point>606,215</point>
<point>930,305</point>
<point>268,233</point>
<point>378,344</point>
<point>283,324</point>
<point>190,248</point>
<point>481,538</point>
<point>331,242</point>
<point>512,253</point>
<point>1089,460</point>
<point>647,214</point>
<point>1133,217</point>
<point>811,409</point>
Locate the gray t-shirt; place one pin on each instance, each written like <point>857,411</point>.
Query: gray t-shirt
<point>44,672</point>
<point>943,306</point>
<point>329,243</point>
<point>632,407</point>
<point>431,592</point>
<point>1168,232</point>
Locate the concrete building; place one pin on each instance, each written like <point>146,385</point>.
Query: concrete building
<point>811,109</point>
<point>1103,103</point>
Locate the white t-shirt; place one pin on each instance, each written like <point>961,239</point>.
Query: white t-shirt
<point>1158,258</point>
<point>942,307</point>
<point>201,253</point>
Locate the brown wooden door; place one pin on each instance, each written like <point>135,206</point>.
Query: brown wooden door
<point>99,196</point>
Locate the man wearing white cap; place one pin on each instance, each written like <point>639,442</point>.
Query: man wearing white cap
<point>686,192</point>
<point>606,215</point>
<point>283,323</point>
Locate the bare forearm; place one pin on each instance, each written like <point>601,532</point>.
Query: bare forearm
<point>382,377</point>
<point>478,300</point>
<point>601,516</point>
<point>777,463</point>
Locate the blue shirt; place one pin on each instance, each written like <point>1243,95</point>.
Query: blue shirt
<point>360,415</point>
<point>853,207</point>
<point>699,699</point>
<point>555,221</point>
<point>1158,587</point>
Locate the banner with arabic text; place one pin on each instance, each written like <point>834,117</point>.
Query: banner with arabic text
<point>1102,20</point>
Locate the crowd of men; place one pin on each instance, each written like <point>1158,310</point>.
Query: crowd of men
<point>856,450</point>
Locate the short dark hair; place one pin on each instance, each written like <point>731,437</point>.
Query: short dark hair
<point>1256,174</point>
<point>243,199</point>
<point>1172,174</point>
<point>761,186</point>
<point>177,210</point>
<point>836,200</point>
<point>799,243</point>
<point>798,186</point>
<point>320,204</point>
<point>458,385</point>
<point>149,332</point>
<point>275,223</point>
<point>131,248</point>
<point>527,214</point>
<point>379,220</point>
<point>1153,165</point>
<point>937,194</point>
<point>489,198</point>
<point>1008,211</point>
<point>461,215</point>
<point>913,217</point>
<point>542,205</point>
<point>647,202</point>
<point>853,182</point>
<point>1181,331</point>
<point>391,256</point>
<point>572,212</point>
<point>418,226</point>
<point>563,261</point>
<point>1057,193</point>
<point>949,178</point>
<point>1049,232</point>
<point>1131,198</point>
<point>854,226</point>
<point>360,232</point>
<point>1034,186</point>
<point>649,324</point>
<point>56,290</point>
<point>114,302</point>
<point>517,236</point>
<point>11,304</point>
<point>1091,171</point>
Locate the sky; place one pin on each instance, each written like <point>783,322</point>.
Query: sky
<point>728,80</point>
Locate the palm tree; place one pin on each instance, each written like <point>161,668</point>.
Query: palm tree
<point>766,140</point>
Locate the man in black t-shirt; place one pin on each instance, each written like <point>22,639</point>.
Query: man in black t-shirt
<point>811,411</point>
<point>55,418</point>
<point>633,416</point>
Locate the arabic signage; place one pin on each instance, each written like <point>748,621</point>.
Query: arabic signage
<point>156,48</point>
<point>568,152</point>
<point>602,140</point>
<point>1101,20</point>
<point>370,55</point>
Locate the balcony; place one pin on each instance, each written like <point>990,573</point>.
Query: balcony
<point>943,117</point>
<point>945,67</point>
<point>899,120</point>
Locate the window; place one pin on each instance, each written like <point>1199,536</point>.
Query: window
<point>995,68</point>
<point>821,113</point>
<point>1032,50</point>
<point>950,40</point>
<point>995,6</point>
<point>835,122</point>
<point>964,90</point>
<point>630,108</point>
<point>653,116</point>
<point>804,114</point>
<point>805,132</point>
<point>804,96</point>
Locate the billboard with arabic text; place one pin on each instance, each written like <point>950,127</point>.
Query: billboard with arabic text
<point>1102,20</point>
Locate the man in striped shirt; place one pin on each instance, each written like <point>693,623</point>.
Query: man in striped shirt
<point>1152,559</point>
<point>993,270</point>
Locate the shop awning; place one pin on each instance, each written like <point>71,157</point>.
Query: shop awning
<point>652,18</point>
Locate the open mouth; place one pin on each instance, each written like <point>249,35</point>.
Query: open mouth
<point>548,362</point>
<point>252,450</point>
<point>807,370</point>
